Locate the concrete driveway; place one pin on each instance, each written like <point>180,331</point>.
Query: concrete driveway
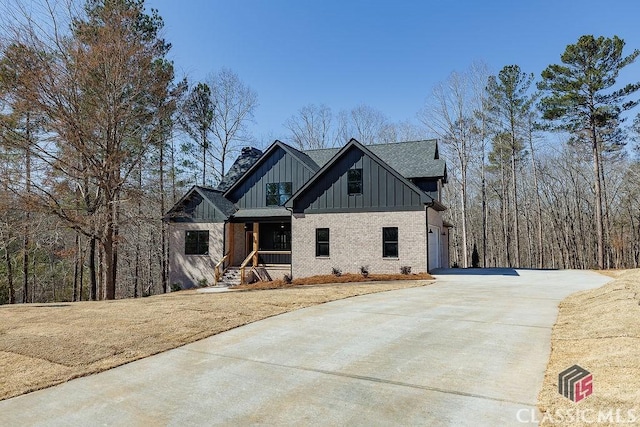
<point>468,350</point>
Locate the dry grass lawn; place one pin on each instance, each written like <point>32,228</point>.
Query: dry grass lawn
<point>600,331</point>
<point>46,344</point>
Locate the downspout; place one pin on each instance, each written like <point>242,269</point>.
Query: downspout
<point>291,264</point>
<point>429,205</point>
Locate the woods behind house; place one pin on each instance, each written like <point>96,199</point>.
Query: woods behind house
<point>99,138</point>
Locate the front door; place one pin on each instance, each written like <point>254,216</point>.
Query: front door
<point>248,243</point>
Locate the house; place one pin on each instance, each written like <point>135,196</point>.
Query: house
<point>306,212</point>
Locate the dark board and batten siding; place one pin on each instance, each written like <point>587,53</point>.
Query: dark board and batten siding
<point>196,209</point>
<point>381,190</point>
<point>280,166</point>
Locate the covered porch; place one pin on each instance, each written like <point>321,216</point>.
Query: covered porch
<point>257,238</point>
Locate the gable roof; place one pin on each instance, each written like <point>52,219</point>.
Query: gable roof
<point>302,156</point>
<point>298,155</point>
<point>424,197</point>
<point>412,159</point>
<point>248,156</point>
<point>210,195</point>
<point>216,198</point>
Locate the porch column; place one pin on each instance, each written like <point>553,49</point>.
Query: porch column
<point>256,230</point>
<point>232,237</point>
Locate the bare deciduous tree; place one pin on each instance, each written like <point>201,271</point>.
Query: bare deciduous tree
<point>312,127</point>
<point>234,104</point>
<point>450,116</point>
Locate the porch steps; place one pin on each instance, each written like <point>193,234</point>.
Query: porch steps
<point>231,277</point>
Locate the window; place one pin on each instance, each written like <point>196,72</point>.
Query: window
<point>322,242</point>
<point>354,181</point>
<point>282,240</point>
<point>278,193</point>
<point>196,242</point>
<point>390,242</point>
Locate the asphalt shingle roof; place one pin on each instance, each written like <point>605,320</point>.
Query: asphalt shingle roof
<point>245,160</point>
<point>303,157</point>
<point>216,198</point>
<point>262,213</point>
<point>413,159</point>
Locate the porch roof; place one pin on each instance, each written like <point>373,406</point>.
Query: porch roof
<point>261,213</point>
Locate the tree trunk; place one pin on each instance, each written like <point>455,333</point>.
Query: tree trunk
<point>607,227</point>
<point>27,219</point>
<point>484,211</point>
<point>463,207</point>
<point>76,267</point>
<point>12,291</point>
<point>204,157</point>
<point>136,274</point>
<point>536,189</point>
<point>505,210</point>
<point>81,275</point>
<point>598,198</point>
<point>514,189</point>
<point>109,257</point>
<point>163,232</point>
<point>92,269</point>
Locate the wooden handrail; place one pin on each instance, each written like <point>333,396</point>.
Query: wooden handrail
<point>216,272</point>
<point>251,256</point>
<point>244,265</point>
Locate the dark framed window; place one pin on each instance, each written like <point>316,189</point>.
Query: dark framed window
<point>282,240</point>
<point>354,181</point>
<point>390,242</point>
<point>322,242</point>
<point>278,193</point>
<point>196,242</point>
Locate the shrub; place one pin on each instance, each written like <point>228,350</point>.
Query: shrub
<point>475,258</point>
<point>405,269</point>
<point>364,270</point>
<point>203,283</point>
<point>287,278</point>
<point>176,287</point>
<point>336,271</point>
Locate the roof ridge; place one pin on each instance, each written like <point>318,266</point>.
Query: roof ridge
<point>404,142</point>
<point>206,187</point>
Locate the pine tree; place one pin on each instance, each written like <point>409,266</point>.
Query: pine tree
<point>579,97</point>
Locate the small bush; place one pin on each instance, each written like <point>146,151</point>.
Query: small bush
<point>336,271</point>
<point>287,278</point>
<point>364,270</point>
<point>203,283</point>
<point>475,257</point>
<point>176,287</point>
<point>405,269</point>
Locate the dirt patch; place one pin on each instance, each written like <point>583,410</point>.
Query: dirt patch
<point>45,344</point>
<point>333,279</point>
<point>598,330</point>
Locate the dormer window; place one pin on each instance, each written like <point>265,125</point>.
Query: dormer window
<point>354,181</point>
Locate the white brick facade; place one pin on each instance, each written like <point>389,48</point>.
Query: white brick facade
<point>188,270</point>
<point>355,239</point>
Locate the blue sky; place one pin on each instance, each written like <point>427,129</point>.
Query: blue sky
<point>387,54</point>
